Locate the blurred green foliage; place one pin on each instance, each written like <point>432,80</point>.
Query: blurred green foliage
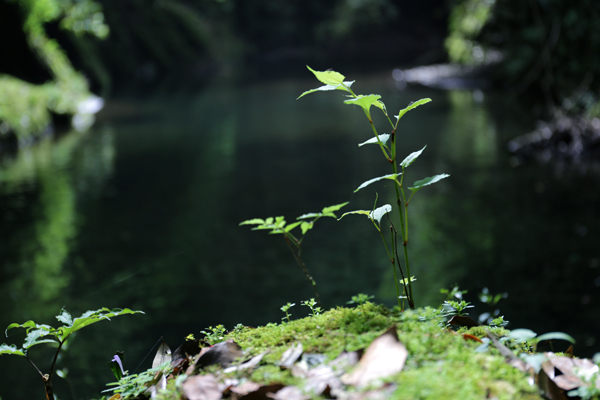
<point>548,47</point>
<point>25,109</point>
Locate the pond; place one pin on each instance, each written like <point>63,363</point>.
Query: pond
<point>144,210</point>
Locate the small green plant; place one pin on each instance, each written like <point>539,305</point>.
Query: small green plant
<point>39,334</point>
<point>278,225</point>
<point>456,307</point>
<point>285,309</point>
<point>312,304</point>
<point>214,335</point>
<point>387,143</point>
<point>132,386</point>
<point>359,299</point>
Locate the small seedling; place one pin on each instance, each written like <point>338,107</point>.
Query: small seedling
<point>285,309</point>
<point>278,225</point>
<point>457,308</point>
<point>312,304</point>
<point>387,144</point>
<point>38,334</point>
<point>215,334</point>
<point>360,299</point>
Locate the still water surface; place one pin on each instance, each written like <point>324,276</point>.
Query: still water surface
<point>143,212</point>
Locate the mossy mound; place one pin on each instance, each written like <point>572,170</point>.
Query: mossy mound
<point>441,363</point>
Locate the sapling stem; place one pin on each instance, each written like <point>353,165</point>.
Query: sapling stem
<point>392,260</point>
<point>297,256</point>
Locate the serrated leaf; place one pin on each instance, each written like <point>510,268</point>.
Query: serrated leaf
<point>65,317</point>
<point>365,101</point>
<point>32,338</point>
<point>26,325</point>
<point>367,183</point>
<point>554,336</point>
<point>292,226</point>
<point>342,86</point>
<point>378,213</point>
<point>332,78</point>
<point>12,349</point>
<point>411,158</point>
<point>254,221</point>
<point>306,226</point>
<point>411,106</point>
<point>331,209</point>
<point>383,137</point>
<point>427,181</point>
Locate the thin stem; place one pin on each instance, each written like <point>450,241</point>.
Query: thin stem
<point>35,366</point>
<point>392,260</point>
<point>303,267</point>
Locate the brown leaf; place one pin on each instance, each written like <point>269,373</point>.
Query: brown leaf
<point>253,362</point>
<point>289,393</point>
<point>202,387</point>
<point>467,336</point>
<point>223,353</point>
<point>571,368</point>
<point>549,388</point>
<point>245,388</point>
<point>384,357</point>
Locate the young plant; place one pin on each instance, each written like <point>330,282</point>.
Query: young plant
<point>278,225</point>
<point>38,334</point>
<point>360,299</point>
<point>285,309</point>
<point>312,304</point>
<point>216,334</point>
<point>387,143</point>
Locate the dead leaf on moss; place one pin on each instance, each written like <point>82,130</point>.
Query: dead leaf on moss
<point>289,393</point>
<point>261,393</point>
<point>462,320</point>
<point>223,353</point>
<point>202,387</point>
<point>467,336</point>
<point>245,388</point>
<point>384,357</point>
<point>572,369</point>
<point>252,363</point>
<point>291,355</point>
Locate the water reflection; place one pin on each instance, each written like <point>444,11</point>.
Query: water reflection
<point>145,215</point>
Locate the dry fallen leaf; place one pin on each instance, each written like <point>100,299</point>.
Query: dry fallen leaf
<point>253,362</point>
<point>289,393</point>
<point>384,357</point>
<point>262,393</point>
<point>291,355</point>
<point>572,369</point>
<point>202,387</point>
<point>223,353</point>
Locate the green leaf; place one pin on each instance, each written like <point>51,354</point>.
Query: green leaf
<point>342,86</point>
<point>411,158</point>
<point>91,317</point>
<point>379,104</point>
<point>411,106</point>
<point>522,335</point>
<point>292,226</point>
<point>365,101</point>
<point>383,138</point>
<point>12,349</point>
<point>309,215</point>
<point>554,336</point>
<point>306,226</point>
<point>65,317</point>
<point>332,78</point>
<point>378,213</point>
<point>367,183</point>
<point>427,181</point>
<point>269,221</point>
<point>27,325</point>
<point>254,221</point>
<point>363,212</point>
<point>331,209</point>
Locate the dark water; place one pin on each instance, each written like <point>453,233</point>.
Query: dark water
<point>143,212</point>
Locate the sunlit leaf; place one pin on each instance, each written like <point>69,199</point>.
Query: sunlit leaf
<point>555,335</point>
<point>331,209</point>
<point>308,215</point>
<point>255,221</point>
<point>411,106</point>
<point>292,226</point>
<point>378,213</point>
<point>269,221</point>
<point>411,158</point>
<point>306,226</point>
<point>65,317</point>
<point>26,325</point>
<point>365,101</point>
<point>12,349</point>
<point>342,86</point>
<point>332,78</point>
<point>92,317</point>
<point>367,183</point>
<point>363,212</point>
<point>379,104</point>
<point>383,138</point>
<point>427,181</point>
